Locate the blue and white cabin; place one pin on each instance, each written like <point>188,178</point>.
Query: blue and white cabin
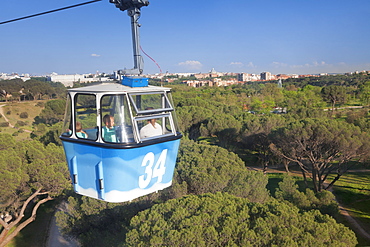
<point>120,142</point>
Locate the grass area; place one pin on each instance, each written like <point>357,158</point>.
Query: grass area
<point>276,178</point>
<point>353,192</point>
<point>13,111</point>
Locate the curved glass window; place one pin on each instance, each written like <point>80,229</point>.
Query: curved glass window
<point>152,114</point>
<point>116,119</point>
<point>86,116</point>
<point>67,125</point>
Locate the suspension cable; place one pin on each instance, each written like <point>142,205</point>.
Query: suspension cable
<point>48,12</point>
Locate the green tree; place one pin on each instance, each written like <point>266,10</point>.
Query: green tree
<point>365,93</point>
<point>52,113</point>
<point>321,147</point>
<point>225,220</point>
<point>200,169</point>
<point>334,95</point>
<point>204,168</point>
<point>273,92</point>
<point>255,136</point>
<point>308,200</point>
<point>31,174</point>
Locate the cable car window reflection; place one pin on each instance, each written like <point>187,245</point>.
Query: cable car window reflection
<point>155,126</point>
<point>157,102</point>
<point>86,115</point>
<point>67,125</point>
<point>116,122</point>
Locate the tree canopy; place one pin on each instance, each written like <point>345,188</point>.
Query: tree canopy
<point>31,174</point>
<point>321,146</point>
<point>204,168</point>
<point>224,220</point>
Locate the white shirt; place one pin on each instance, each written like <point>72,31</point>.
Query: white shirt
<point>149,130</point>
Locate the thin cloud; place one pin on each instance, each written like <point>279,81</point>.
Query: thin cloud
<point>279,65</point>
<point>237,63</point>
<point>95,55</point>
<point>191,65</point>
<point>251,65</point>
<point>306,65</point>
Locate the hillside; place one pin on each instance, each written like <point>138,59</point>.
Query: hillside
<point>20,116</point>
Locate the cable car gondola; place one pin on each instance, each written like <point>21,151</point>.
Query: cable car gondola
<point>121,139</point>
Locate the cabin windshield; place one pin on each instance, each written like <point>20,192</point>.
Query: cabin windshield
<point>116,121</point>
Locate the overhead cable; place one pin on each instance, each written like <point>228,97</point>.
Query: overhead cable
<point>48,12</point>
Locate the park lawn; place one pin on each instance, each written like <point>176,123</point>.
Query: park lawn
<point>353,192</point>
<point>12,111</point>
<point>276,178</point>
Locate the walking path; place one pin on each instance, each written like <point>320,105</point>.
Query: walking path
<point>55,238</point>
<point>7,120</point>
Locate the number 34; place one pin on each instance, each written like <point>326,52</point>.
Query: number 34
<point>157,171</point>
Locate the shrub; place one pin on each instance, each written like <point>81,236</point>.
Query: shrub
<point>20,123</point>
<point>23,115</point>
<point>40,104</point>
<point>4,124</point>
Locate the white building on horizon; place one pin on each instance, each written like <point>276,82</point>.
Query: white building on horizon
<point>68,80</point>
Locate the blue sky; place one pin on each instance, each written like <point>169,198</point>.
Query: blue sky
<point>252,36</point>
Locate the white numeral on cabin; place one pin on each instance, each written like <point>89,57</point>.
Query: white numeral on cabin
<point>157,171</point>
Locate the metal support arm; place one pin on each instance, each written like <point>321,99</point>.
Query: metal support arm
<point>133,10</point>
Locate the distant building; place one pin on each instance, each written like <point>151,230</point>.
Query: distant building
<point>244,77</point>
<point>213,73</point>
<point>199,83</point>
<point>201,76</point>
<point>282,76</point>
<point>266,76</point>
<point>68,80</point>
<point>24,77</point>
<point>184,74</point>
<point>248,77</point>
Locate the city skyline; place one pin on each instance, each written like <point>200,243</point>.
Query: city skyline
<point>287,37</point>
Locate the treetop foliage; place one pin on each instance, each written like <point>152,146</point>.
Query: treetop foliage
<point>27,166</point>
<point>225,220</point>
<point>204,168</point>
<point>31,174</point>
<point>31,90</point>
<point>321,146</point>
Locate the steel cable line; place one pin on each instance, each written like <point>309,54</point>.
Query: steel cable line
<point>48,12</point>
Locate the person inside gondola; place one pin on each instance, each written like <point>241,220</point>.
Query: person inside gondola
<point>151,129</point>
<point>79,132</point>
<point>109,130</point>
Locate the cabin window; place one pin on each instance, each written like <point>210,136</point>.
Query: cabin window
<point>150,102</point>
<point>67,125</point>
<point>154,125</point>
<point>86,116</point>
<point>116,124</point>
<point>152,113</point>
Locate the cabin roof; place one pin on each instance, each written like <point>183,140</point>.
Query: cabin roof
<point>117,88</point>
